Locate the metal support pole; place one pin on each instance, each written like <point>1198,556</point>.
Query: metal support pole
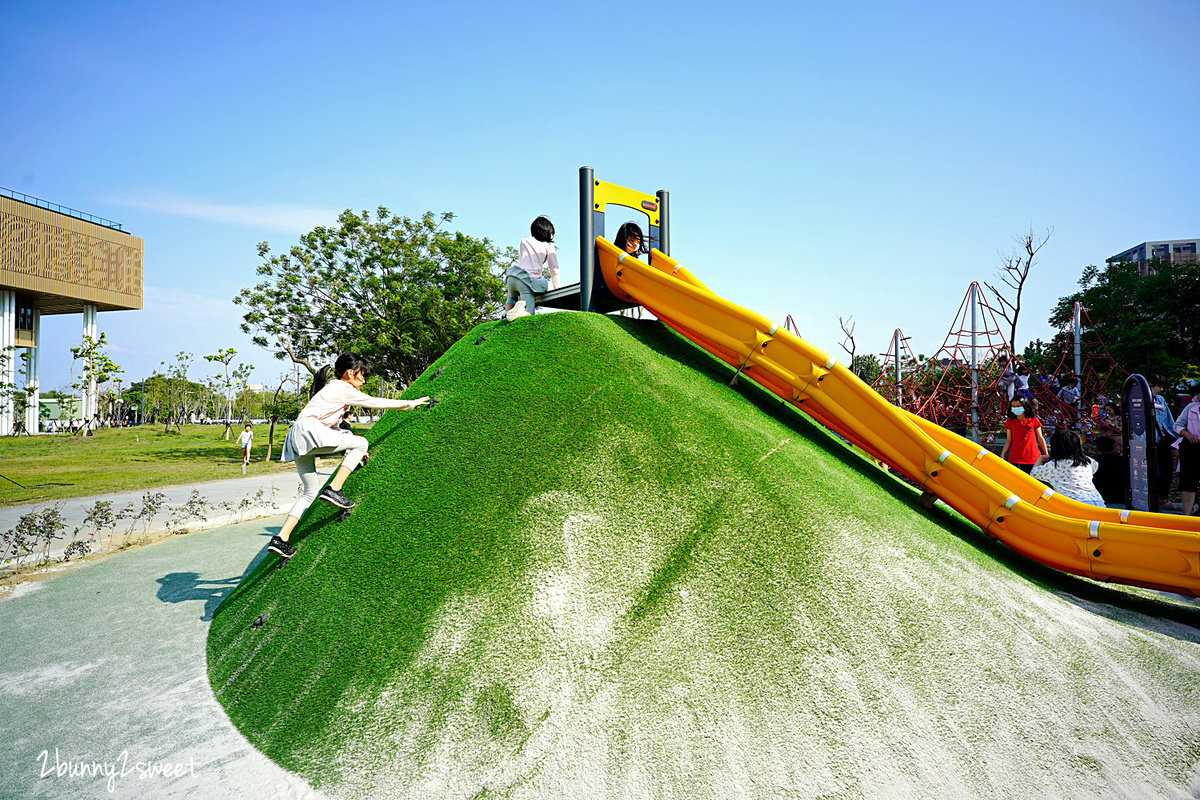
<point>896,352</point>
<point>32,376</point>
<point>587,239</point>
<point>8,357</point>
<point>1076,323</point>
<point>90,394</point>
<point>664,222</point>
<point>974,364</point>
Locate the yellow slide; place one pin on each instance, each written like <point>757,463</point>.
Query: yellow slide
<point>1158,551</point>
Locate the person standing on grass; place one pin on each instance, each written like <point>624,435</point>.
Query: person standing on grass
<point>1025,443</point>
<point>245,441</point>
<point>316,433</point>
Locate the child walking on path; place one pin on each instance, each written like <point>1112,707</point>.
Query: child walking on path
<point>527,277</point>
<point>316,433</point>
<point>245,441</point>
<point>1025,442</point>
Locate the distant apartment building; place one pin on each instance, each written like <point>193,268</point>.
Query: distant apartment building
<point>1176,251</point>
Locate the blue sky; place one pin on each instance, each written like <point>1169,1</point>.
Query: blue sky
<point>867,160</point>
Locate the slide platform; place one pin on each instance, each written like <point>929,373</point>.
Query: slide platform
<point>1157,551</point>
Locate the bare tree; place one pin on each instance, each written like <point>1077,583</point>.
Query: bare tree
<point>1014,270</point>
<point>848,329</point>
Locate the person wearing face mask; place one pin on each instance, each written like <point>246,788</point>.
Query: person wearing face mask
<point>1024,443</point>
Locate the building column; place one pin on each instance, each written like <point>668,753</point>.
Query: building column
<point>32,382</point>
<point>90,406</point>
<point>8,362</point>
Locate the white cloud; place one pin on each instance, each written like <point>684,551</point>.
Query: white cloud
<point>171,321</point>
<point>268,216</point>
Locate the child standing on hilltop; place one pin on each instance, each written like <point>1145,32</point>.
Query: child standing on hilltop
<point>1025,443</point>
<point>316,434</point>
<point>527,277</point>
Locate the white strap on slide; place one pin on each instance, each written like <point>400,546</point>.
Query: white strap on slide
<point>942,458</point>
<point>774,327</point>
<point>829,364</point>
<point>1125,515</point>
<point>1046,495</point>
<point>1094,529</point>
<point>1011,501</point>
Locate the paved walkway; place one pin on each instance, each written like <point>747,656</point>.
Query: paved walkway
<point>249,498</point>
<point>102,667</point>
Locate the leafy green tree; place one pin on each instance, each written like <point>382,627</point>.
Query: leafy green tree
<point>224,356</point>
<point>281,405</point>
<point>1150,323</point>
<point>97,368</point>
<point>241,379</point>
<point>396,289</point>
<point>867,367</point>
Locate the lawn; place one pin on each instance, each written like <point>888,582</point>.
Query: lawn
<point>596,569</point>
<point>126,459</point>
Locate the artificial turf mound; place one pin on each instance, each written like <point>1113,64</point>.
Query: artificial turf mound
<point>595,570</point>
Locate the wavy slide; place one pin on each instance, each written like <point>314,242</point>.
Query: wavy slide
<point>1157,551</point>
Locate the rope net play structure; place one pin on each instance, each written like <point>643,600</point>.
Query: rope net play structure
<point>967,385</point>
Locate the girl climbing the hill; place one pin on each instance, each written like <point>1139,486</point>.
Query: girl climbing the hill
<point>316,433</point>
<point>1067,470</point>
<point>1024,444</point>
<point>527,278</point>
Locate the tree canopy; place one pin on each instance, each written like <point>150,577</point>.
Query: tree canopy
<point>398,290</point>
<point>1150,323</point>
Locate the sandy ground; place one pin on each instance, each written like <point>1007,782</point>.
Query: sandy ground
<point>103,684</point>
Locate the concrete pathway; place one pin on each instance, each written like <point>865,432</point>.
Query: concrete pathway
<point>102,669</point>
<point>249,498</point>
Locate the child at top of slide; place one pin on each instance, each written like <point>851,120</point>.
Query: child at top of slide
<point>316,433</point>
<point>527,277</point>
<point>629,238</point>
<point>1025,442</point>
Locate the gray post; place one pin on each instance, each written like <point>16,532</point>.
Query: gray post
<point>587,239</point>
<point>1076,323</point>
<point>664,222</point>
<point>896,351</point>
<point>974,364</point>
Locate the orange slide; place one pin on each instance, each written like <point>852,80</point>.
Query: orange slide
<point>1157,551</point>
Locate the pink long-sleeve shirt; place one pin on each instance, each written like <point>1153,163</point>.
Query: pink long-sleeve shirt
<point>330,403</point>
<point>537,258</point>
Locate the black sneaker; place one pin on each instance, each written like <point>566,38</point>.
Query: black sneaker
<point>280,547</point>
<point>335,498</point>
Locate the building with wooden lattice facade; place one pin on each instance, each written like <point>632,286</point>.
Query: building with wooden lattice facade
<point>55,260</point>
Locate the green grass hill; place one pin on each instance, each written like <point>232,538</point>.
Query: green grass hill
<point>594,569</point>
